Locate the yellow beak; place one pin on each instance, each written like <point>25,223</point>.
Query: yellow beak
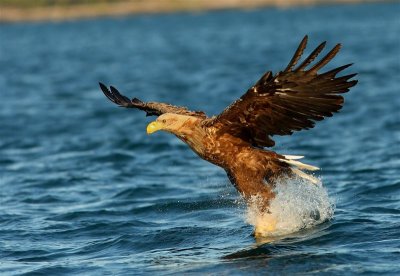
<point>153,127</point>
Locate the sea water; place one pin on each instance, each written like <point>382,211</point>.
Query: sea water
<point>84,190</point>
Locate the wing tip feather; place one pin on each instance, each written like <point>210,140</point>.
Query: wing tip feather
<point>326,59</point>
<point>297,55</point>
<point>312,56</point>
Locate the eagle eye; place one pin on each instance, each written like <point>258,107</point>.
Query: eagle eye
<point>164,121</point>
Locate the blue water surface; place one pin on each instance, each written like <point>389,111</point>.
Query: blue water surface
<point>84,190</point>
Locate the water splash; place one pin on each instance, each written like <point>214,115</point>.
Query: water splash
<point>298,204</point>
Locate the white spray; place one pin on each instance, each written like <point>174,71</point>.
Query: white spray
<point>298,204</point>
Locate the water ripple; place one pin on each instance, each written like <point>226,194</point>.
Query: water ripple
<point>84,190</point>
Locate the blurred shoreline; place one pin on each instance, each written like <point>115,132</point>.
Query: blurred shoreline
<point>21,13</point>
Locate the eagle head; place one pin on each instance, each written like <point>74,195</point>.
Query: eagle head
<point>170,122</point>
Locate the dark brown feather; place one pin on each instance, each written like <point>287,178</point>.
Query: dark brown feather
<point>311,57</point>
<point>292,100</point>
<point>297,55</point>
<point>151,108</point>
<point>324,61</point>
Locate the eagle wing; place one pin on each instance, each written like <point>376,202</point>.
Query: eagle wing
<point>151,108</point>
<point>292,100</point>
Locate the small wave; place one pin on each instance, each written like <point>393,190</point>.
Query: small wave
<point>298,204</point>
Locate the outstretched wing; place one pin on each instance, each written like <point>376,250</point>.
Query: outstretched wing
<point>151,108</point>
<point>291,100</point>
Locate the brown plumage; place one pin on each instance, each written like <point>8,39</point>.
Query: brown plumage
<point>291,100</point>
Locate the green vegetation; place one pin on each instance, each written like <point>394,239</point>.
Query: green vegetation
<point>44,3</point>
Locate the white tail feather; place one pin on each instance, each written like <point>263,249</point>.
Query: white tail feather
<point>313,179</point>
<point>293,157</point>
<point>297,166</point>
<point>300,165</point>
